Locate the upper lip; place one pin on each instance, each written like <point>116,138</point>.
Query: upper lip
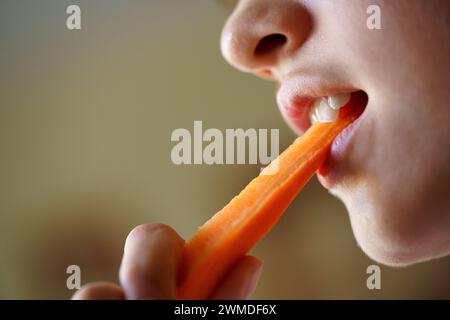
<point>297,93</point>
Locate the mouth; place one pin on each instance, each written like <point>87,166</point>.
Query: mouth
<point>303,104</point>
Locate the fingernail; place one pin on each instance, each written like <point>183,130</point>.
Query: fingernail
<point>252,281</point>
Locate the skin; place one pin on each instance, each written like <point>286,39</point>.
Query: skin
<point>150,261</point>
<point>394,174</point>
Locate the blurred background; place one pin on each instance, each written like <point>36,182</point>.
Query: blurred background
<point>85,124</point>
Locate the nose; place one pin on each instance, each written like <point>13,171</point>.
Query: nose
<point>262,33</point>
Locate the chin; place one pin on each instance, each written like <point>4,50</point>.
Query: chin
<point>398,240</point>
<point>383,251</point>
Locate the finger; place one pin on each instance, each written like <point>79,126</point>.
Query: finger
<point>99,291</point>
<point>241,281</point>
<point>150,262</point>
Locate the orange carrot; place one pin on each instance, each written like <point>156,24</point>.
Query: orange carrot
<point>232,232</point>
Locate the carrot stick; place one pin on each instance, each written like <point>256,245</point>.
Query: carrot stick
<point>232,232</point>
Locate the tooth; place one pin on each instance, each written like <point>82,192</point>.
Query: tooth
<point>324,113</point>
<point>321,112</point>
<point>338,100</point>
<point>313,117</point>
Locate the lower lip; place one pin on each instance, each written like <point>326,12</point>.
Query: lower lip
<point>336,165</point>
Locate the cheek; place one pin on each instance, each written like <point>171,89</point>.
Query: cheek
<point>395,191</point>
<point>372,55</point>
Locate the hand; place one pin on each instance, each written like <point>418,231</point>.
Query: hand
<point>149,266</point>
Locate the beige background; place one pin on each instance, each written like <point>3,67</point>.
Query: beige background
<point>85,124</point>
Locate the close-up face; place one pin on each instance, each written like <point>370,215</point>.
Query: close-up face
<point>225,150</point>
<point>391,168</point>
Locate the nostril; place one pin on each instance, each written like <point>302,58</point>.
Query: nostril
<point>270,43</point>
